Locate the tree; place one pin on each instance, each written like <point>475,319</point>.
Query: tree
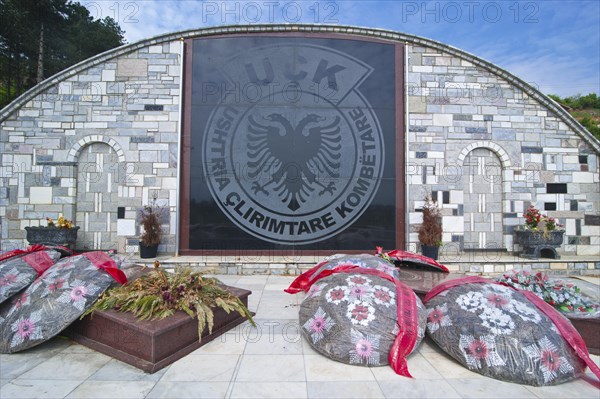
<point>586,109</point>
<point>39,38</point>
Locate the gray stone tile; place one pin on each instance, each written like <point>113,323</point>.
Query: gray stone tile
<point>344,389</point>
<point>187,389</point>
<point>257,279</point>
<point>71,366</point>
<point>269,390</point>
<point>246,329</point>
<point>112,390</point>
<point>12,366</point>
<point>254,300</point>
<point>489,388</point>
<point>307,349</point>
<point>226,344</point>
<point>229,280</point>
<point>579,388</point>
<point>277,287</point>
<point>55,345</point>
<point>116,370</point>
<point>448,367</point>
<point>2,383</point>
<point>413,388</point>
<point>15,364</point>
<point>273,310</point>
<point>278,297</point>
<point>321,368</point>
<point>202,368</point>
<point>275,344</point>
<point>418,367</point>
<point>287,280</point>
<point>274,325</point>
<point>77,348</point>
<point>38,388</point>
<point>429,346</point>
<point>254,287</point>
<point>271,368</point>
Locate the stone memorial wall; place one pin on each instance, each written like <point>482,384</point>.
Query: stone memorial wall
<point>98,141</point>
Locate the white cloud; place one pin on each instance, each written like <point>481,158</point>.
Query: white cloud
<point>555,44</point>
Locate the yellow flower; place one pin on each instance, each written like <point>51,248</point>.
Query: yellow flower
<point>61,223</point>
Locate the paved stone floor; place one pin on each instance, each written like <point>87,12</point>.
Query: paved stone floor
<point>273,361</point>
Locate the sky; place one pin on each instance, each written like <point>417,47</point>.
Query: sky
<point>551,44</point>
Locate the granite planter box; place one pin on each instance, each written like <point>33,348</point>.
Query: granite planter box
<point>589,329</point>
<point>150,345</point>
<point>536,244</point>
<point>52,236</point>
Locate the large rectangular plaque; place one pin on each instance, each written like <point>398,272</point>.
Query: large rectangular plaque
<point>291,143</point>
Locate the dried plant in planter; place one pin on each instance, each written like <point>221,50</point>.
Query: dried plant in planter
<point>151,223</point>
<point>430,232</point>
<point>160,294</point>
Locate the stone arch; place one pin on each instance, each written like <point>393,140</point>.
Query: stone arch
<point>75,150</point>
<point>490,145</point>
<point>483,194</point>
<point>97,194</point>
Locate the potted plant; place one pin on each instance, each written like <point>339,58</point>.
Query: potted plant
<point>430,231</point>
<point>63,232</point>
<point>150,218</point>
<point>540,234</point>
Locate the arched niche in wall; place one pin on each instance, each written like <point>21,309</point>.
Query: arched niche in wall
<point>483,198</point>
<point>97,196</point>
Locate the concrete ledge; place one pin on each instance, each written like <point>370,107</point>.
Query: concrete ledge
<point>486,264</point>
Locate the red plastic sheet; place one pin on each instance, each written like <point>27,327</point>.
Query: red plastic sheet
<point>104,262</point>
<point>405,256</point>
<point>19,252</point>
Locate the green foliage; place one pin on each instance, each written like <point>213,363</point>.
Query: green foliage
<point>586,109</point>
<point>578,101</point>
<point>159,294</point>
<point>63,30</point>
<point>590,125</point>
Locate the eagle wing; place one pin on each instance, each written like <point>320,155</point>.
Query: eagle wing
<point>322,148</point>
<point>267,147</point>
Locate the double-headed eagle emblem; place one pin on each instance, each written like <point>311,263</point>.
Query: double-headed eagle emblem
<point>296,158</point>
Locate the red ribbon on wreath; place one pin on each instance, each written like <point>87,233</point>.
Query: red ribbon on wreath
<point>104,262</point>
<point>18,252</point>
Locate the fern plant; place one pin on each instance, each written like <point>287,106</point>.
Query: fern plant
<point>160,294</point>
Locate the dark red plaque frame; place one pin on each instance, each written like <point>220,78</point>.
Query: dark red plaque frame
<point>184,197</point>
